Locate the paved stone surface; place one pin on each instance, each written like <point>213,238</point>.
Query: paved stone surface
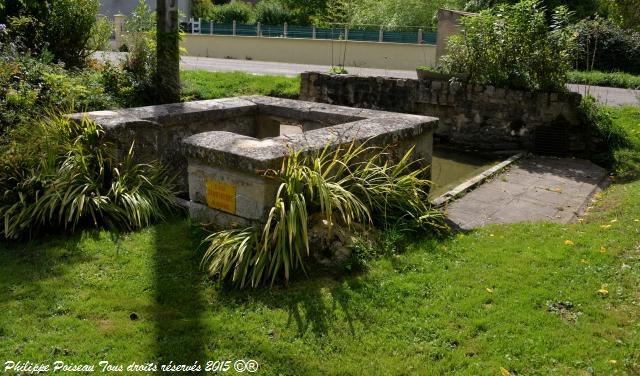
<point>535,189</point>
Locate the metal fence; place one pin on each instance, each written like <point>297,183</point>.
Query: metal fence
<point>309,32</point>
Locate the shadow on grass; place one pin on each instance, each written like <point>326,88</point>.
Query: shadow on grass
<point>180,336</point>
<point>315,305</point>
<point>23,262</point>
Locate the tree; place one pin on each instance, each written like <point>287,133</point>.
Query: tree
<point>168,52</point>
<point>626,13</point>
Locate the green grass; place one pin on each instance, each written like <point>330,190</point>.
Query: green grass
<point>212,85</point>
<point>597,78</point>
<point>467,305</point>
<point>627,160</point>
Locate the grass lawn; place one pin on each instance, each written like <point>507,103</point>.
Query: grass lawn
<point>211,85</point>
<point>533,299</point>
<point>597,78</point>
<point>513,296</point>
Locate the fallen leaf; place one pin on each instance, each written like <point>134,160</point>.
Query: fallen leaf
<point>604,291</point>
<point>603,249</point>
<point>614,220</point>
<point>557,190</point>
<point>584,261</point>
<point>605,226</point>
<point>613,361</point>
<point>568,242</point>
<point>489,290</point>
<point>491,235</point>
<point>504,372</point>
<point>636,220</point>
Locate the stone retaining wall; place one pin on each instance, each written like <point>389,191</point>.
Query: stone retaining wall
<point>472,116</point>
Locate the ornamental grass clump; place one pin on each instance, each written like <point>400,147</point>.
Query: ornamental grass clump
<point>59,174</point>
<point>347,186</point>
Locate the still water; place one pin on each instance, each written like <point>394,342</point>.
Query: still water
<point>452,167</point>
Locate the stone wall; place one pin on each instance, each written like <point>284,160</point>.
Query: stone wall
<point>471,116</point>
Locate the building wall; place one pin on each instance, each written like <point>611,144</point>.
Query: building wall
<point>399,56</point>
<point>448,25</point>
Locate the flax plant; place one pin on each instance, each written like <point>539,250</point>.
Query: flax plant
<point>344,185</point>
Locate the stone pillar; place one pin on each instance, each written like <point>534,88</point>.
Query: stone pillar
<point>448,25</point>
<point>258,29</point>
<point>286,26</point>
<point>233,29</point>
<point>381,35</point>
<point>419,36</point>
<point>118,26</point>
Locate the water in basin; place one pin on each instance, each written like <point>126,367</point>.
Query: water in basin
<point>452,167</point>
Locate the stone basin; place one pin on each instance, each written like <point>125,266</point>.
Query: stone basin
<point>219,149</point>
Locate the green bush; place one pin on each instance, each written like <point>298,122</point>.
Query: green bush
<point>346,187</point>
<point>203,9</point>
<point>29,86</point>
<point>271,12</point>
<point>141,20</point>
<point>512,46</point>
<point>69,29</point>
<point>238,11</point>
<point>58,174</point>
<point>605,46</point>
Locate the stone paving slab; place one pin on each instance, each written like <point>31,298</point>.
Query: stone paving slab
<point>534,189</point>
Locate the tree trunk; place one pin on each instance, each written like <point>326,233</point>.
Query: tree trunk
<point>168,52</point>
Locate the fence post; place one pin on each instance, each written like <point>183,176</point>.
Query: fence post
<point>381,35</point>
<point>419,36</point>
<point>258,29</point>
<point>211,27</point>
<point>313,32</point>
<point>118,23</point>
<point>346,33</point>
<point>234,28</point>
<point>285,29</point>
<point>199,25</point>
<point>191,21</point>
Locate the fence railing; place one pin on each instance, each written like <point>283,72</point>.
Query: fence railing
<point>308,32</point>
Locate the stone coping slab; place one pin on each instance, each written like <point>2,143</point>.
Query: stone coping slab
<point>252,154</point>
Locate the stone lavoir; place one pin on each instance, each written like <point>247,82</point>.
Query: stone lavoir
<point>220,149</point>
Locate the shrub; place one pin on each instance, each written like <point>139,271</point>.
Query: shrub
<point>203,9</point>
<point>271,12</point>
<point>58,174</point>
<point>356,185</point>
<point>512,46</point>
<point>29,85</point>
<point>605,46</point>
<point>133,84</point>
<point>69,30</point>
<point>142,19</point>
<point>238,11</point>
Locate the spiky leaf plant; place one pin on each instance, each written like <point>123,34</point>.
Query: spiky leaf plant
<point>59,174</point>
<point>346,185</point>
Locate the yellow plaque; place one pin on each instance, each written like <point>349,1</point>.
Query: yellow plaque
<point>221,196</point>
